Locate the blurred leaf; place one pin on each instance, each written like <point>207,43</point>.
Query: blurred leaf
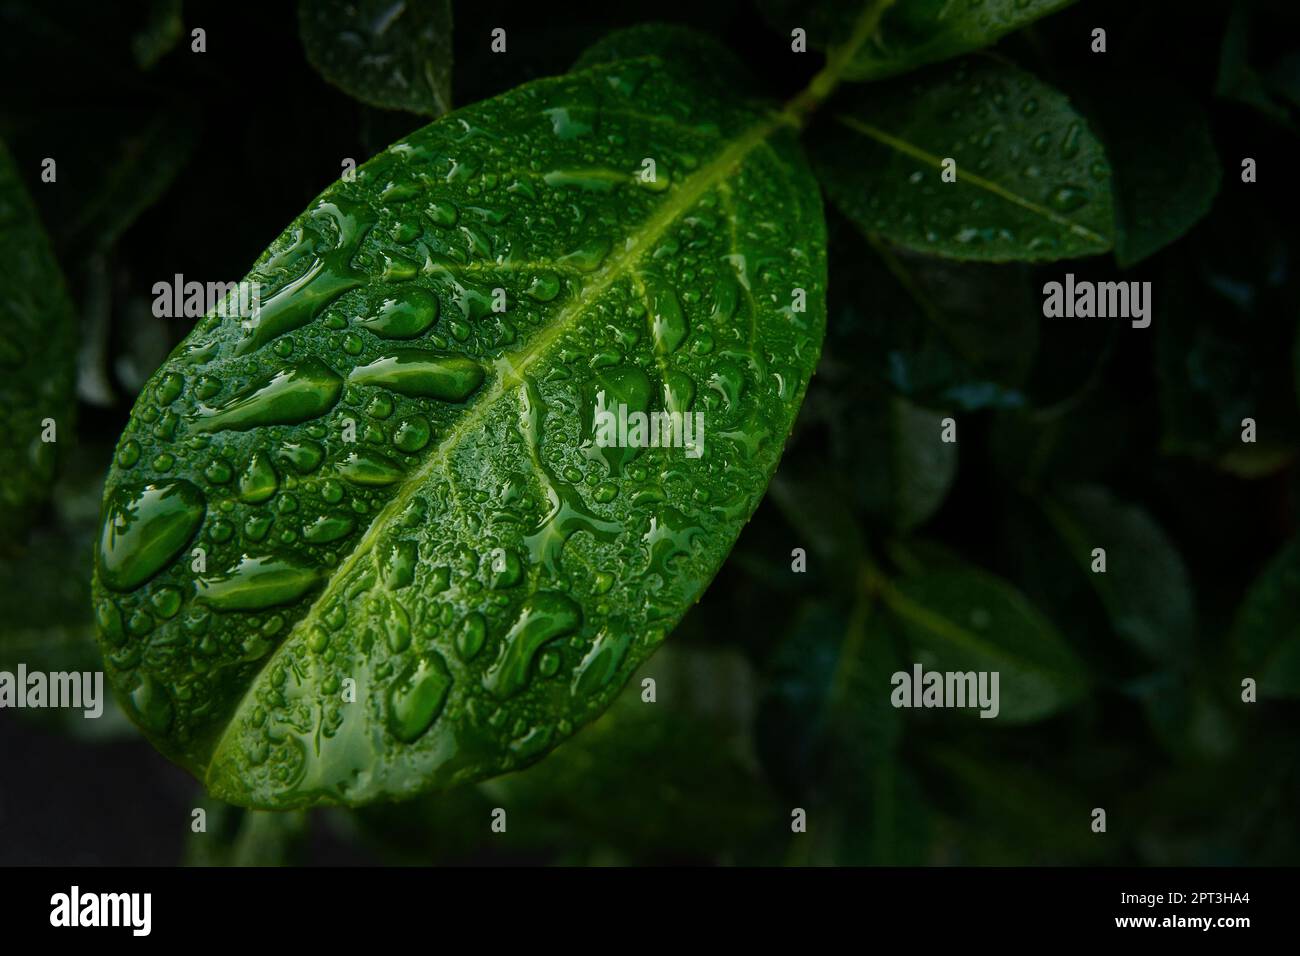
<point>1145,589</point>
<point>904,470</point>
<point>947,335</point>
<point>1166,173</point>
<point>396,55</point>
<point>160,33</point>
<point>238,837</point>
<point>959,620</point>
<point>1189,720</point>
<point>816,503</point>
<point>1238,78</point>
<point>37,354</point>
<point>1032,182</point>
<point>1266,634</point>
<point>912,33</point>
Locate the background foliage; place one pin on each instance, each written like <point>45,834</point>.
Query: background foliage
<point>1068,429</point>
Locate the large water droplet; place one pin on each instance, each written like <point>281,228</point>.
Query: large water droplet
<point>421,373</point>
<point>257,582</point>
<point>417,696</point>
<point>408,313</point>
<point>544,616</point>
<point>145,529</point>
<point>293,395</point>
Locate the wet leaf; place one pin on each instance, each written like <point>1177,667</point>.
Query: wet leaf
<point>1032,181</point>
<point>911,33</point>
<point>366,540</point>
<point>391,54</point>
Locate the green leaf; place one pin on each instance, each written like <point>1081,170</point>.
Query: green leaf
<point>474,564</point>
<point>967,619</point>
<point>1266,633</point>
<point>709,61</point>
<point>1166,173</point>
<point>1032,182</point>
<point>912,33</point>
<point>1145,589</point>
<point>904,469</point>
<point>393,55</point>
<point>37,354</point>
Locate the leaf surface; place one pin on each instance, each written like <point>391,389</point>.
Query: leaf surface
<point>395,55</point>
<point>1032,181</point>
<point>473,567</point>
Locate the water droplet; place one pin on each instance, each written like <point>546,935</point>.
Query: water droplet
<point>417,696</point>
<point>1069,198</point>
<point>471,636</point>
<point>327,528</point>
<point>257,582</point>
<point>544,616</point>
<point>397,565</point>
<point>405,315</point>
<point>588,256</point>
<point>423,374</point>
<point>667,320</point>
<point>365,467</point>
<point>412,434</point>
<point>544,287</point>
<point>145,529</point>
<point>293,395</point>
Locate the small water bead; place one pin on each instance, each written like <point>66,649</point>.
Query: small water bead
<point>218,472</point>
<point>544,287</point>
<point>380,407</point>
<point>221,531</point>
<point>256,527</point>
<point>303,456</point>
<point>397,565</point>
<point>166,602</point>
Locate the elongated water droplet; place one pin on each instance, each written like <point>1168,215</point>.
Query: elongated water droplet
<point>667,320</point>
<point>257,582</point>
<point>327,528</point>
<point>365,467</point>
<point>297,394</point>
<point>417,696</point>
<point>259,480</point>
<point>144,529</point>
<point>544,616</point>
<point>423,374</point>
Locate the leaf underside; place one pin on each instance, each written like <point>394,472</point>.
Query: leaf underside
<point>474,566</point>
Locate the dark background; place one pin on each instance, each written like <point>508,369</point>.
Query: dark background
<point>239,140</point>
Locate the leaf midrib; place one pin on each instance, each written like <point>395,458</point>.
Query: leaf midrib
<point>907,148</point>
<point>510,370</point>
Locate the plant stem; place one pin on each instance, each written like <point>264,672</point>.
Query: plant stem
<point>828,78</point>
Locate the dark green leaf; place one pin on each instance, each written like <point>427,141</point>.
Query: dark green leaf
<point>1145,589</point>
<point>961,620</point>
<point>1166,173</point>
<point>37,354</point>
<point>391,54</point>
<point>912,33</point>
<point>1032,182</point>
<point>474,561</point>
<point>1266,634</point>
